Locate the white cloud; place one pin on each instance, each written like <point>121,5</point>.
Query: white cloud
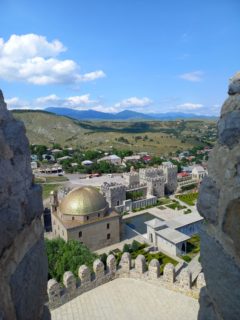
<point>189,106</point>
<point>33,59</point>
<point>134,102</point>
<point>74,102</point>
<point>16,103</point>
<point>194,76</point>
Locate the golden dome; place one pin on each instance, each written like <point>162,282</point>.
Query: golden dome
<point>83,201</point>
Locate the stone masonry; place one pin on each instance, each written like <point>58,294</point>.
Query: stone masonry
<point>23,262</point>
<point>219,203</point>
<point>128,268</point>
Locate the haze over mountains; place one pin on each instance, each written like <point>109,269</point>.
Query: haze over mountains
<point>123,115</point>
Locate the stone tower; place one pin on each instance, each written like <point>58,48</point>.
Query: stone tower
<point>170,173</point>
<point>114,193</point>
<point>23,261</point>
<point>154,179</point>
<point>219,203</point>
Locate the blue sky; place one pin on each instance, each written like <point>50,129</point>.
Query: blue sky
<point>143,55</point>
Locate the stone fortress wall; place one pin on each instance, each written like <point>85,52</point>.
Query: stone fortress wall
<point>177,278</point>
<point>114,193</point>
<point>219,204</point>
<point>23,260</point>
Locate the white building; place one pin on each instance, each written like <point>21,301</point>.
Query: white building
<point>114,159</point>
<point>198,173</point>
<point>172,235</point>
<point>87,163</point>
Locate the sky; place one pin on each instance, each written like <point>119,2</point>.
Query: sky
<point>150,56</point>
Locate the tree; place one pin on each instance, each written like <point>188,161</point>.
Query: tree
<point>67,256</point>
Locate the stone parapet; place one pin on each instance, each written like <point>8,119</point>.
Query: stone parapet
<point>128,268</point>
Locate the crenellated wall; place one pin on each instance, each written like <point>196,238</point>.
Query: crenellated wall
<point>174,278</point>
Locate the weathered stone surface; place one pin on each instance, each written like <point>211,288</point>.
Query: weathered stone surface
<point>208,198</point>
<point>169,273</point>
<point>125,262</point>
<point>111,264</point>
<point>229,128</point>
<point>140,264</point>
<point>26,281</point>
<point>234,86</point>
<point>84,274</point>
<point>23,263</point>
<point>154,269</point>
<point>219,203</point>
<point>222,277</point>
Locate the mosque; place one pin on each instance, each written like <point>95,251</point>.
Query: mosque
<point>84,215</point>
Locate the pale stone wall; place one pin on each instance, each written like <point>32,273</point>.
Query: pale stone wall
<point>127,269</point>
<point>115,194</point>
<point>170,173</point>
<point>94,235</point>
<point>23,262</point>
<point>219,203</point>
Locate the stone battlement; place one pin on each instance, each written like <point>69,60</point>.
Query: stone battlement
<point>175,278</point>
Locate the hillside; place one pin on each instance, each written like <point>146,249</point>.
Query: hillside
<point>125,115</point>
<point>157,137</point>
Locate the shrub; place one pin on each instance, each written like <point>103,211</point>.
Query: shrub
<point>186,258</point>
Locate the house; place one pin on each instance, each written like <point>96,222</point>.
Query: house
<point>113,159</point>
<point>146,158</point>
<point>87,163</point>
<point>198,173</point>
<point>134,158</point>
<point>172,235</point>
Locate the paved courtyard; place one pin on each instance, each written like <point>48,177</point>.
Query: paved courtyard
<point>129,299</point>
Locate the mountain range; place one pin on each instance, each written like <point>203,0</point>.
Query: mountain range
<point>123,115</point>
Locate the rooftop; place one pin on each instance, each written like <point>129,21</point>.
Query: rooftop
<point>112,301</point>
<point>155,223</point>
<point>172,235</point>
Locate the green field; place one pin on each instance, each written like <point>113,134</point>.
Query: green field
<point>189,198</point>
<point>154,137</point>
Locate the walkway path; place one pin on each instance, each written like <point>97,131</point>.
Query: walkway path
<point>129,299</point>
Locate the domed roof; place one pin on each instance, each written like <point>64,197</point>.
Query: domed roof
<point>83,201</point>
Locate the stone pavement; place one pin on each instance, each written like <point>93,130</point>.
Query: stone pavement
<point>129,299</point>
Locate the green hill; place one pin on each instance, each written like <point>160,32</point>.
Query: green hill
<point>157,137</point>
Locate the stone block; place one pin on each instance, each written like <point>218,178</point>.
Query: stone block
<point>169,273</point>
<point>98,268</point>
<point>185,279</point>
<point>140,264</point>
<point>54,292</point>
<point>84,275</point>
<point>125,262</point>
<point>111,264</point>
<point>154,269</point>
<point>69,282</point>
<point>201,280</point>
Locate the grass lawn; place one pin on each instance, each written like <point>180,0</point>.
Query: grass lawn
<point>47,188</point>
<point>50,179</point>
<point>193,248</point>
<point>188,198</point>
<point>137,248</point>
<point>175,205</point>
<point>163,201</point>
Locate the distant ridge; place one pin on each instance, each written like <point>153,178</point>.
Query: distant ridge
<point>124,115</point>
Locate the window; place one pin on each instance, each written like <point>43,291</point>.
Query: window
<point>118,202</point>
<point>108,236</point>
<point>108,225</point>
<point>98,215</point>
<point>87,217</point>
<point>80,234</point>
<point>72,218</point>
